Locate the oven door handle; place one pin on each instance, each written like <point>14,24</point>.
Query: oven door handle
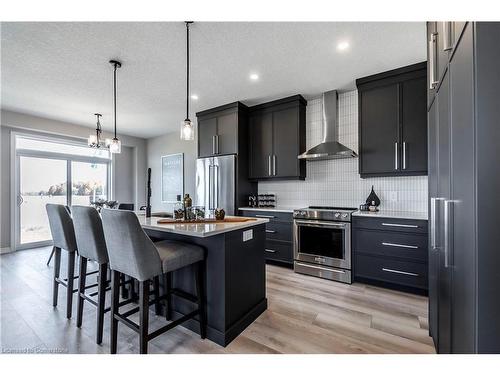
<point>316,223</point>
<point>320,268</point>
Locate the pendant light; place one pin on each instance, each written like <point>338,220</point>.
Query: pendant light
<point>115,146</point>
<point>187,128</point>
<point>94,140</point>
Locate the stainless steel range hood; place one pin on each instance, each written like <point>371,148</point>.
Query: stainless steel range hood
<point>330,148</point>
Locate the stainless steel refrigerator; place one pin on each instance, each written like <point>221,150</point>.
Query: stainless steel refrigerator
<point>216,183</point>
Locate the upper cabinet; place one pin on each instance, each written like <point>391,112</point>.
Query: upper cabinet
<point>277,134</point>
<point>393,122</point>
<point>442,40</point>
<point>221,130</point>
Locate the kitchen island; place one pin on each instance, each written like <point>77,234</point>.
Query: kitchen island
<point>235,273</point>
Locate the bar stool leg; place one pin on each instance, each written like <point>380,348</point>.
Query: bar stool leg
<point>156,292</point>
<point>115,299</point>
<point>144,315</point>
<point>51,254</point>
<point>200,293</point>
<point>168,287</point>
<point>82,276</point>
<point>71,275</point>
<point>101,300</point>
<point>57,271</point>
<point>124,288</point>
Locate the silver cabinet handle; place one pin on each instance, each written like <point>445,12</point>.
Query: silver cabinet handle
<point>265,216</point>
<point>396,156</point>
<point>269,165</point>
<point>447,45</point>
<point>432,62</point>
<point>216,144</point>
<point>448,230</point>
<point>274,165</point>
<point>400,225</point>
<point>433,218</point>
<point>213,144</point>
<point>399,272</point>
<point>270,251</point>
<point>270,231</point>
<point>399,245</point>
<point>404,155</point>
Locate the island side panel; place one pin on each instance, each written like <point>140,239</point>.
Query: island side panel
<point>245,273</point>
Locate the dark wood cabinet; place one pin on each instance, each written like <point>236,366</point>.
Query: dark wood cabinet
<point>379,137</point>
<point>464,309</point>
<point>442,40</point>
<point>393,122</point>
<point>279,246</point>
<point>414,129</point>
<point>277,132</point>
<point>261,145</point>
<point>207,130</point>
<point>221,129</point>
<point>391,253</point>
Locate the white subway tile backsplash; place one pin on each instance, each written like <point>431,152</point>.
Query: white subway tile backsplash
<point>337,182</point>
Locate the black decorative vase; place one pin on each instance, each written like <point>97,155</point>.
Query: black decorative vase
<point>373,198</point>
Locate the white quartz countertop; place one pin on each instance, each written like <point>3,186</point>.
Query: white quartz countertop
<point>195,229</point>
<point>271,209</point>
<point>393,214</point>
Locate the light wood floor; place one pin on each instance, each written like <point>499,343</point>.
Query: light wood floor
<point>305,315</point>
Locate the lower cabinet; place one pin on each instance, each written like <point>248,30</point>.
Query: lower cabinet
<point>279,248</point>
<point>391,253</point>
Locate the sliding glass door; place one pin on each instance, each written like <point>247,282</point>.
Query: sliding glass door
<point>50,171</point>
<point>41,181</point>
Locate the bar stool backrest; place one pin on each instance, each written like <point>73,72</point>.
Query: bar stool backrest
<point>130,250</point>
<point>89,234</point>
<point>61,226</point>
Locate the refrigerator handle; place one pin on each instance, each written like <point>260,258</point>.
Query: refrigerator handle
<point>210,182</point>
<point>216,186</point>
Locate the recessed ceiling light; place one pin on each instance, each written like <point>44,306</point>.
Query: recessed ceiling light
<point>342,46</point>
<point>194,97</point>
<point>254,77</point>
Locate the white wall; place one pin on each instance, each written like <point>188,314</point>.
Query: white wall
<point>165,145</point>
<point>129,168</point>
<point>337,182</point>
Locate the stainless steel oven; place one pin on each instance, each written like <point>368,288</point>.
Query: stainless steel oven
<point>322,243</point>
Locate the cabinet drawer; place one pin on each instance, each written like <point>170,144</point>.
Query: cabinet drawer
<point>277,230</point>
<point>399,272</point>
<point>277,250</point>
<point>385,243</point>
<point>271,215</point>
<point>388,224</point>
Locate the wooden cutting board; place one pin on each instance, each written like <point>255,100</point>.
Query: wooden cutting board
<point>206,221</point>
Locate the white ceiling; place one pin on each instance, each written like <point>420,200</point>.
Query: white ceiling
<point>61,71</point>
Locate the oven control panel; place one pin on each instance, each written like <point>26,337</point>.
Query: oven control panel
<point>322,214</point>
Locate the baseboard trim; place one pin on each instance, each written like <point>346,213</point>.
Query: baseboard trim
<point>5,250</point>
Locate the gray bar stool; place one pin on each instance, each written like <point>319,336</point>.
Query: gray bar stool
<point>91,246</point>
<point>63,237</point>
<point>131,252</point>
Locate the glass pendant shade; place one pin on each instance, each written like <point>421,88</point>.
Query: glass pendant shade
<point>92,141</point>
<point>115,146</point>
<point>187,130</point>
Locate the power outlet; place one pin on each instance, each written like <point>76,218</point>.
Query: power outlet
<point>393,196</point>
<point>247,235</point>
